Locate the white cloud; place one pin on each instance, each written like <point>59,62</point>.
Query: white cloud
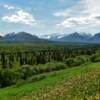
<point>75,10</point>
<point>61,14</point>
<point>86,13</point>
<point>20,16</point>
<point>8,7</point>
<point>80,21</point>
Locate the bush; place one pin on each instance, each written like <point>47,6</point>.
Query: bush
<point>71,62</point>
<point>8,77</point>
<point>79,61</point>
<point>95,58</point>
<point>26,71</point>
<point>50,66</point>
<point>55,66</point>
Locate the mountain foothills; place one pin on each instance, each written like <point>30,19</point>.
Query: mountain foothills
<point>73,38</point>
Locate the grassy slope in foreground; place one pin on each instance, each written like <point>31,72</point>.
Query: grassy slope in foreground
<point>52,80</point>
<point>81,87</point>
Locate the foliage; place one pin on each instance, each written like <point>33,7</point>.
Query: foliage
<point>48,67</point>
<point>25,72</point>
<point>42,53</point>
<point>71,62</point>
<point>8,77</point>
<point>95,57</point>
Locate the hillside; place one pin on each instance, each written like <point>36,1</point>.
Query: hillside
<point>22,37</point>
<point>76,88</point>
<point>56,84</point>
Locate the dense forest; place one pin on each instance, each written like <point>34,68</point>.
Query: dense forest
<point>21,62</point>
<point>42,56</point>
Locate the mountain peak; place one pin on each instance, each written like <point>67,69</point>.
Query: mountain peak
<point>20,37</point>
<point>23,33</point>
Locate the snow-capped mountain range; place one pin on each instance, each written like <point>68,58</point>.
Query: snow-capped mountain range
<point>73,38</point>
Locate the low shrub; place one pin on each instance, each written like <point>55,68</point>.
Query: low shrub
<point>71,62</point>
<point>50,66</point>
<point>95,58</point>
<point>26,71</point>
<point>8,77</point>
<point>55,66</point>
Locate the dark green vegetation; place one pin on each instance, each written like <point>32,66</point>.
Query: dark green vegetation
<point>30,67</point>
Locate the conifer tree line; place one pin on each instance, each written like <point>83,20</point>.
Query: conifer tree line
<point>34,57</point>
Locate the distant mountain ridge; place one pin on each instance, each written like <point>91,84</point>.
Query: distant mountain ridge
<point>21,37</point>
<point>95,38</point>
<point>73,38</point>
<point>76,38</point>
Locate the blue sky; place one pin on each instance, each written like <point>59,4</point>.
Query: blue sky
<point>49,16</point>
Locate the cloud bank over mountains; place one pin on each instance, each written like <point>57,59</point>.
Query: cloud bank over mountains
<point>86,13</point>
